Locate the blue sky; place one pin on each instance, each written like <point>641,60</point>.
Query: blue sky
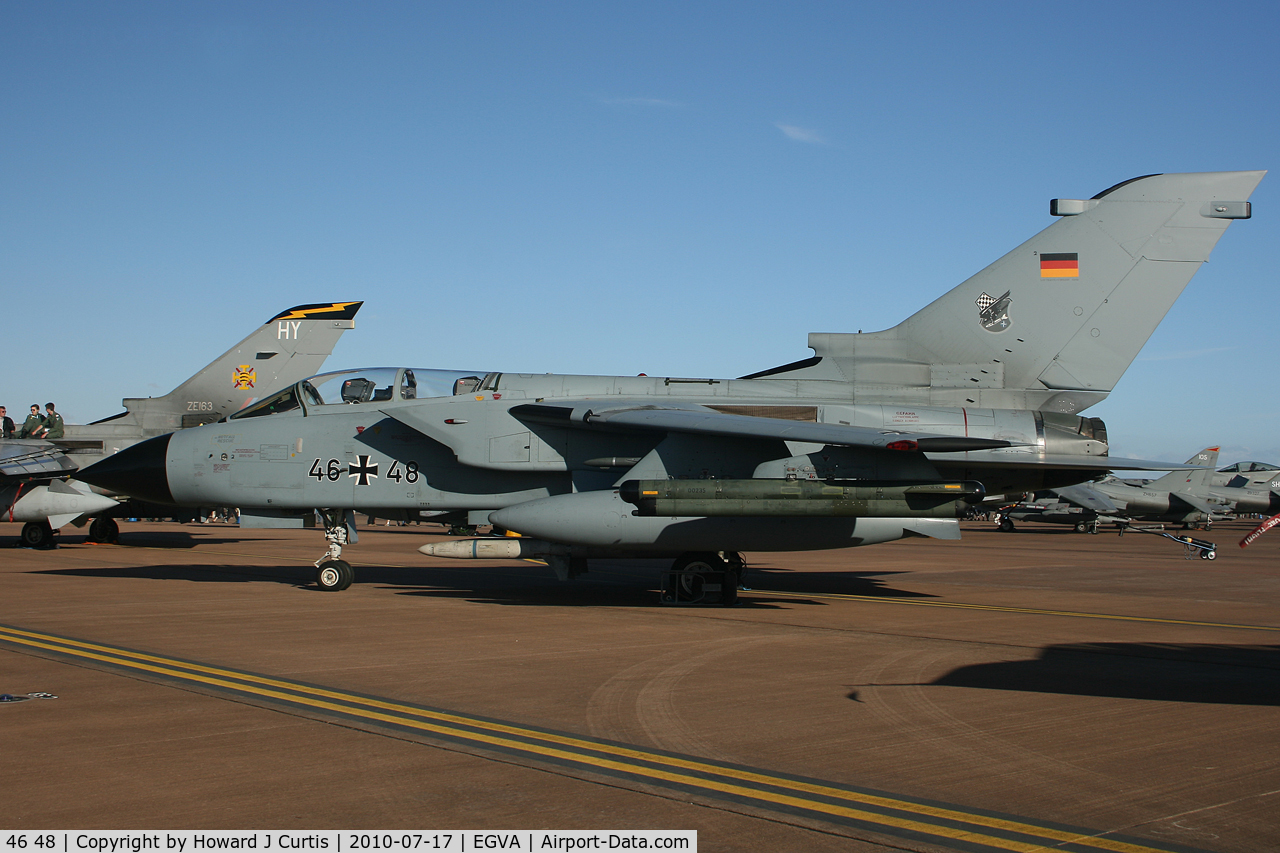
<point>668,188</point>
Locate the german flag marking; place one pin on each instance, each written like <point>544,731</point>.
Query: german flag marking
<point>1060,265</point>
<point>855,808</point>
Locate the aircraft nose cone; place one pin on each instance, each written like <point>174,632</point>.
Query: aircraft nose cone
<point>138,471</point>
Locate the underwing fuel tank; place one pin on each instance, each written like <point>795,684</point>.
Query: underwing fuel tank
<point>57,502</point>
<point>762,498</point>
<point>493,549</point>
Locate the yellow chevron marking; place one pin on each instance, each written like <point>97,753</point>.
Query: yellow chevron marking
<point>311,312</point>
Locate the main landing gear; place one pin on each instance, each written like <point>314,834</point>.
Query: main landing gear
<point>334,574</point>
<point>104,530</point>
<point>37,534</point>
<point>704,577</point>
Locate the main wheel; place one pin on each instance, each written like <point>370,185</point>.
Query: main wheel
<point>37,534</point>
<point>1006,524</point>
<point>1081,527</point>
<point>104,530</point>
<point>334,575</point>
<point>693,566</point>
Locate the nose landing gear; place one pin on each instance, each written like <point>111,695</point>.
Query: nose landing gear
<point>333,573</point>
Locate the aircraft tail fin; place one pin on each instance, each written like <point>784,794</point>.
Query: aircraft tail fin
<point>1207,458</point>
<point>1054,323</point>
<point>290,346</point>
<point>1174,480</point>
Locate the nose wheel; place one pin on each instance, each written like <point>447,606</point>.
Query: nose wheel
<point>334,575</point>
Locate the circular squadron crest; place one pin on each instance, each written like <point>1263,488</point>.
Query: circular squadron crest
<point>993,312</point>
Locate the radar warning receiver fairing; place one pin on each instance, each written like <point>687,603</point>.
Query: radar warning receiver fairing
<point>876,437</point>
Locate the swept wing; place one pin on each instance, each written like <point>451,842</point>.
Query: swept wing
<point>1087,497</point>
<point>27,460</point>
<point>704,421</point>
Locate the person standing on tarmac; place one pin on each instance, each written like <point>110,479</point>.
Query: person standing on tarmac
<point>52,423</point>
<point>6,424</point>
<point>33,426</point>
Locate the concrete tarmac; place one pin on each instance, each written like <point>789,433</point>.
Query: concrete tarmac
<point>1032,690</point>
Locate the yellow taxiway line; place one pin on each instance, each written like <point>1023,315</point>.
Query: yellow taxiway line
<point>938,823</point>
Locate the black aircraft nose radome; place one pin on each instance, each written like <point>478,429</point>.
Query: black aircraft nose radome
<point>137,471</point>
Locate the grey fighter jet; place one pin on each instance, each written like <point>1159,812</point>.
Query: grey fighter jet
<point>290,346</point>
<point>1179,497</point>
<point>1253,475</point>
<point>1183,497</point>
<point>1248,487</point>
<point>874,438</point>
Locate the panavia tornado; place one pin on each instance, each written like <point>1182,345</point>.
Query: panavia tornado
<point>33,486</point>
<point>874,438</point>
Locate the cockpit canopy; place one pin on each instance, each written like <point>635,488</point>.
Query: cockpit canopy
<point>370,385</point>
<point>366,385</point>
<point>1247,468</point>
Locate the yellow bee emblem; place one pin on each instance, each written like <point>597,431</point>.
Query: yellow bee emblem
<point>243,377</point>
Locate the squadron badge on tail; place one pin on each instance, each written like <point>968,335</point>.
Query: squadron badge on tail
<point>993,312</point>
<point>244,376</point>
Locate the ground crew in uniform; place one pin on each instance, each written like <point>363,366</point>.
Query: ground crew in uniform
<point>52,422</point>
<point>6,424</point>
<point>33,426</point>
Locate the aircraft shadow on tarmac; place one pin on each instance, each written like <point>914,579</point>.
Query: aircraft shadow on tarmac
<point>765,578</point>
<point>632,584</point>
<point>609,584</point>
<point>207,573</point>
<point>1211,674</point>
<point>180,539</point>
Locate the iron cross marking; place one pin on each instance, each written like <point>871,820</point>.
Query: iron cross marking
<point>363,470</point>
